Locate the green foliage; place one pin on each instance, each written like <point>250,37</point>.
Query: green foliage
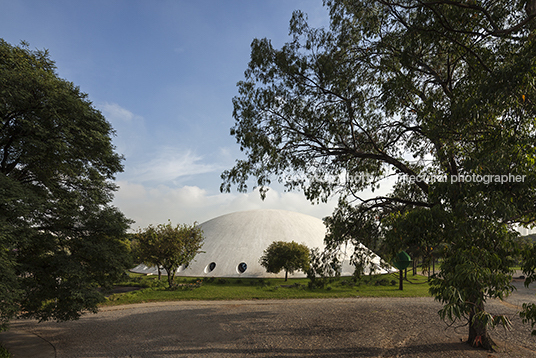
<point>467,278</point>
<point>169,247</point>
<point>529,263</point>
<point>529,238</point>
<point>288,256</point>
<point>138,280</point>
<point>439,95</point>
<point>4,353</point>
<point>323,267</point>
<point>528,314</point>
<point>60,237</point>
<point>10,292</point>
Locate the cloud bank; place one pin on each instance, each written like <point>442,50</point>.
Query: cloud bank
<point>188,204</point>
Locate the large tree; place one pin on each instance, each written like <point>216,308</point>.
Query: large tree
<point>169,246</point>
<point>436,95</point>
<point>60,239</point>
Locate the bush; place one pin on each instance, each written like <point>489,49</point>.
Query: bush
<point>382,282</point>
<point>150,282</point>
<point>350,283</point>
<point>185,286</point>
<point>294,285</point>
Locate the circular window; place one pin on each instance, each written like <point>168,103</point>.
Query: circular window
<point>242,267</point>
<point>210,267</point>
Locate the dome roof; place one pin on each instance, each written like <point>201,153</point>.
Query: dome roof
<point>235,242</point>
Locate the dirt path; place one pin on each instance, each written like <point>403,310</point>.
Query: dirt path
<point>359,327</point>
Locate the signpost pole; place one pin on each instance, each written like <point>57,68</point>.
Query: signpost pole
<point>401,262</point>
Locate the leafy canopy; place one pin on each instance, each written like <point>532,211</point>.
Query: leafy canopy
<point>60,237</point>
<point>436,97</point>
<point>288,256</point>
<point>169,247</point>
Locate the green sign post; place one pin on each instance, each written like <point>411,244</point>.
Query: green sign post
<point>401,262</point>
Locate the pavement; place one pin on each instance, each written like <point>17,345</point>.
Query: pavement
<point>353,327</point>
<point>22,344</point>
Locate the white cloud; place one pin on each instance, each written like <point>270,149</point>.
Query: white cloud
<point>155,203</point>
<point>169,164</point>
<point>226,153</point>
<point>188,204</point>
<point>146,159</point>
<point>114,112</point>
<point>130,128</point>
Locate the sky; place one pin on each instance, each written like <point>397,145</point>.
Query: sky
<point>164,73</point>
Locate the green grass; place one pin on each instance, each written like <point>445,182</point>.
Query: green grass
<point>251,289</point>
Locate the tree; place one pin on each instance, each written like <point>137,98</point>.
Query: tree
<point>436,95</point>
<point>60,238</point>
<point>323,266</point>
<point>169,247</point>
<point>288,256</point>
<point>146,249</point>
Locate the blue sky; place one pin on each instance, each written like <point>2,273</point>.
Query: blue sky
<point>164,74</point>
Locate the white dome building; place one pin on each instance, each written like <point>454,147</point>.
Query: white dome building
<point>235,242</point>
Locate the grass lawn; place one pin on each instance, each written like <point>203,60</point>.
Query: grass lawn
<point>249,289</point>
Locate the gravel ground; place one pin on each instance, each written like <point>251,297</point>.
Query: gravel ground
<point>356,327</point>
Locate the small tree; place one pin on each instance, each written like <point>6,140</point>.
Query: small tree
<point>323,266</point>
<point>147,248</point>
<point>289,256</point>
<point>169,247</point>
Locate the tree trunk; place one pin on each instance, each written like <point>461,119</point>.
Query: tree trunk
<point>170,275</point>
<point>286,275</point>
<point>478,332</point>
<point>159,272</point>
